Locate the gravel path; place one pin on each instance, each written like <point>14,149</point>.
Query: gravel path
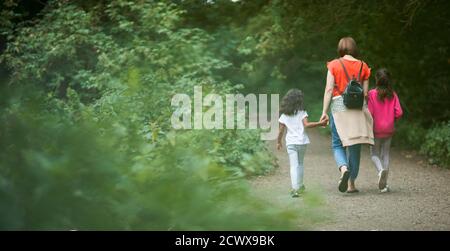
<point>419,197</point>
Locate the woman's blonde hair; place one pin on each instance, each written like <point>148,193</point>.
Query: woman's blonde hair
<point>347,46</point>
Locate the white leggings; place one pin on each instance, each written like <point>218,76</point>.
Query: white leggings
<point>380,153</point>
<point>296,155</point>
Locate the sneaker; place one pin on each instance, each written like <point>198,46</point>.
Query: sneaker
<point>295,193</point>
<point>382,179</point>
<point>385,190</point>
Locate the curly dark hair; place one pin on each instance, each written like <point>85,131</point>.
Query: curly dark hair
<point>384,86</point>
<point>292,102</point>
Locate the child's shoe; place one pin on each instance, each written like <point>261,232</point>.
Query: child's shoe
<point>385,190</point>
<point>382,179</point>
<point>296,193</point>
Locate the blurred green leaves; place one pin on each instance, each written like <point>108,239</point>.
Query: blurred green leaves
<point>58,176</point>
<point>86,143</point>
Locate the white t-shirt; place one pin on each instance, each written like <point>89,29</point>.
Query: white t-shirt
<point>296,134</point>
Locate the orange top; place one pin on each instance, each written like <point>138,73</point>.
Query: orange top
<point>352,67</point>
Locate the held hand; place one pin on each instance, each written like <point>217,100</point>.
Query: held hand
<point>324,117</point>
<point>324,120</point>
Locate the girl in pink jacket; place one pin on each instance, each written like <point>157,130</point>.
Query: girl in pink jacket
<point>384,105</point>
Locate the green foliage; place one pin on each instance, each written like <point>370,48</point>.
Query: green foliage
<point>437,144</point>
<point>433,143</point>
<point>87,141</point>
<point>58,176</point>
<point>6,16</point>
<point>409,135</point>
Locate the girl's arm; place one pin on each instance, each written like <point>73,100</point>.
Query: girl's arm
<point>327,95</point>
<point>398,112</point>
<point>370,105</point>
<point>281,130</point>
<point>308,124</point>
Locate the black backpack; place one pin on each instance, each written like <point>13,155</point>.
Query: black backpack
<point>354,93</point>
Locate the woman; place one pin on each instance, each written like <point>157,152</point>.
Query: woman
<point>349,127</point>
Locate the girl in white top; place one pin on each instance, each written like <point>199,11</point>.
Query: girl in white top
<point>294,118</point>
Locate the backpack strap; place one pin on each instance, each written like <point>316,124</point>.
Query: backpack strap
<point>360,70</point>
<point>345,70</point>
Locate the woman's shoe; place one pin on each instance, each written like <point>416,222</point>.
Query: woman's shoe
<point>343,182</point>
<point>353,191</point>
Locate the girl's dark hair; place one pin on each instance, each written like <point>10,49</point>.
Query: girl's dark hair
<point>292,102</point>
<point>384,86</point>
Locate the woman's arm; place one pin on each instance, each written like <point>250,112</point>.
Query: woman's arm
<point>366,88</point>
<point>327,95</point>
<point>308,124</point>
<point>281,130</point>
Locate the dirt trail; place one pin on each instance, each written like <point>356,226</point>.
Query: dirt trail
<point>419,197</point>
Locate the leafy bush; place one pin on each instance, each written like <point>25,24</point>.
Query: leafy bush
<point>86,141</point>
<point>409,135</point>
<point>54,175</point>
<point>437,144</point>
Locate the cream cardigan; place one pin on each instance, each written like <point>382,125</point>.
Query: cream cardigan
<point>353,126</point>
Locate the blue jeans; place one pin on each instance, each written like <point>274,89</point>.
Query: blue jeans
<point>345,156</point>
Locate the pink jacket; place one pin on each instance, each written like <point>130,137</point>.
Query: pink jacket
<point>384,114</point>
